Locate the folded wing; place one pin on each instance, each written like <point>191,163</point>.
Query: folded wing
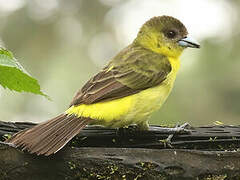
<point>132,70</point>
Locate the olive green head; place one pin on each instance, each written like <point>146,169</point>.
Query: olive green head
<point>165,35</point>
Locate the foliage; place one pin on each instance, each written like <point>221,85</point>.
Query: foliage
<point>14,77</point>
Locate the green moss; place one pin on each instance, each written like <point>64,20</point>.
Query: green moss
<point>71,165</point>
<point>215,177</point>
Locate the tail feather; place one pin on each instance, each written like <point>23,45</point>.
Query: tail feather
<point>54,140</point>
<point>62,142</point>
<point>56,130</point>
<point>39,132</point>
<point>49,137</point>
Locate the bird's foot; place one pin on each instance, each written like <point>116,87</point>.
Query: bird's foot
<point>178,129</point>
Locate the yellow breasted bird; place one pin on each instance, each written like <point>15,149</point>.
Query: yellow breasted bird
<point>126,91</point>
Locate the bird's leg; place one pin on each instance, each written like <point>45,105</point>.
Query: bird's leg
<point>143,126</point>
<point>177,129</point>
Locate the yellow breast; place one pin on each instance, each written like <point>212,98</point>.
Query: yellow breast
<point>130,109</point>
<point>152,99</point>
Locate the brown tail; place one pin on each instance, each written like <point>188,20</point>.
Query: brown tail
<point>49,137</point>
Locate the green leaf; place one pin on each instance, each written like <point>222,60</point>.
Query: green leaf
<point>14,77</point>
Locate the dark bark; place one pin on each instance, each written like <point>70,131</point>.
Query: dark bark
<point>100,153</point>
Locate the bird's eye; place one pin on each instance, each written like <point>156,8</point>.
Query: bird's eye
<point>171,34</point>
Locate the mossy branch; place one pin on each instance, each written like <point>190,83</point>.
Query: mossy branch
<point>100,153</point>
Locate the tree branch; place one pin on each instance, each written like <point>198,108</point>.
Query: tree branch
<point>100,153</point>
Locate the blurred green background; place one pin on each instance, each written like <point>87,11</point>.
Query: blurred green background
<point>63,43</point>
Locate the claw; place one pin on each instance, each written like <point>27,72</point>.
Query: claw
<point>167,142</point>
<point>178,129</point>
<point>182,128</point>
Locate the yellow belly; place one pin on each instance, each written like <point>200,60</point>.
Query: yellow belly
<point>132,109</point>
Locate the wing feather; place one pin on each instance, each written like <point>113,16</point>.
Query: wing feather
<point>132,70</point>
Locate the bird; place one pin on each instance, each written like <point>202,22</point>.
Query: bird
<point>133,84</point>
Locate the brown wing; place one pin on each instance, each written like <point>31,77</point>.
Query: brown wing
<point>131,71</point>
